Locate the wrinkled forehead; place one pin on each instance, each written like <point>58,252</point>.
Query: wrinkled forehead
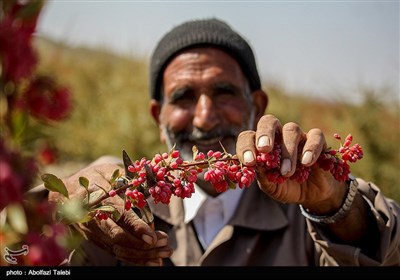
<point>204,55</point>
<point>204,49</point>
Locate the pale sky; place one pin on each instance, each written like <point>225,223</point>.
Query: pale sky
<point>323,48</point>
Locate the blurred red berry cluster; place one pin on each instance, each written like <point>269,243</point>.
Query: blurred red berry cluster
<point>16,175</point>
<point>29,102</point>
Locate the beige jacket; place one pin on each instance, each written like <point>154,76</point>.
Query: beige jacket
<point>263,232</point>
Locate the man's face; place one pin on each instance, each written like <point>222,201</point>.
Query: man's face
<point>206,100</point>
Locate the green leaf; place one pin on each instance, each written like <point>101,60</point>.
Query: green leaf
<point>93,196</point>
<point>53,183</point>
<point>17,218</point>
<point>105,208</point>
<point>86,219</point>
<point>84,182</point>
<point>115,175</point>
<point>72,211</point>
<point>116,215</point>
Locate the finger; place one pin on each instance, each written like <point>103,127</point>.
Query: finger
<point>94,231</point>
<point>313,147</point>
<point>264,184</point>
<point>106,233</point>
<point>136,227</point>
<point>291,137</point>
<point>119,235</point>
<point>131,255</point>
<point>127,247</point>
<point>162,239</point>
<point>154,262</point>
<point>267,127</point>
<point>132,223</point>
<point>245,148</point>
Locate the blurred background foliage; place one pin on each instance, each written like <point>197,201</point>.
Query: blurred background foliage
<point>111,114</point>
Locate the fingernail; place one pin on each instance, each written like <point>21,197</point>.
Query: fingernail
<point>248,157</point>
<point>307,157</point>
<point>164,254</point>
<point>148,239</point>
<point>162,242</point>
<point>286,166</point>
<point>263,141</point>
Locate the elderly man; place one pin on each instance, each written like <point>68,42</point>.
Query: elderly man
<point>205,90</point>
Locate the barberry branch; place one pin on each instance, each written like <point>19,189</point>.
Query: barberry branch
<point>167,174</point>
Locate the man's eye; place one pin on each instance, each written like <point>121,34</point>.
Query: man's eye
<point>225,90</point>
<point>182,95</point>
<point>225,95</point>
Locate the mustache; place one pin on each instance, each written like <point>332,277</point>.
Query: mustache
<point>199,135</point>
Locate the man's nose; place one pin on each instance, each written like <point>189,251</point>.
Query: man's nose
<point>206,115</point>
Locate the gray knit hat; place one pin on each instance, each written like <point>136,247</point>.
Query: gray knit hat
<point>202,32</point>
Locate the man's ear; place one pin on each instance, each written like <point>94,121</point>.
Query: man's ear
<point>155,110</point>
<point>260,102</point>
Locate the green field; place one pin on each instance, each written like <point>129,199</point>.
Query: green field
<point>110,114</point>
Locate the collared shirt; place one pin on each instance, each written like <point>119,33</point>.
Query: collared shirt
<point>210,214</point>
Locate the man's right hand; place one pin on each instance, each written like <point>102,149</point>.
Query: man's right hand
<point>129,239</point>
